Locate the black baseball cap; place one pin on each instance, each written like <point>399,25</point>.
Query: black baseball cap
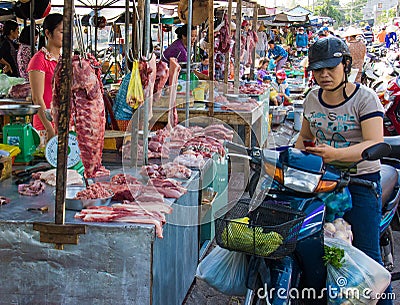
<point>327,52</point>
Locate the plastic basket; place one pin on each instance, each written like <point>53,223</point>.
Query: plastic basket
<point>269,231</point>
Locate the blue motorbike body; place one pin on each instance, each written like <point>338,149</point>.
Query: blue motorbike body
<point>306,261</point>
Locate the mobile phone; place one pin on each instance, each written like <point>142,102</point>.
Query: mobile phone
<point>308,143</point>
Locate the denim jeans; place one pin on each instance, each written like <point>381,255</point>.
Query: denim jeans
<point>365,218</point>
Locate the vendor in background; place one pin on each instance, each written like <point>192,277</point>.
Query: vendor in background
<point>204,64</point>
<point>262,70</point>
<point>24,51</point>
<point>262,43</point>
<point>381,35</point>
<point>9,48</point>
<point>278,53</point>
<point>41,71</point>
<point>301,42</point>
<point>267,79</point>
<point>177,49</point>
<point>357,49</point>
<point>281,87</point>
<point>290,37</point>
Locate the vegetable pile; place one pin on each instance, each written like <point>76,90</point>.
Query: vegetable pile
<point>238,235</point>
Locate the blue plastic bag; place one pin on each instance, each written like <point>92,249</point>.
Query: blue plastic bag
<point>336,203</point>
<point>225,271</point>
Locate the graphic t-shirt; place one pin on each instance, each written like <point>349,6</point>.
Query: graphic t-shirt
<point>340,126</point>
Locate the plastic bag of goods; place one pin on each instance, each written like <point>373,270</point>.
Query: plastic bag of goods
<point>224,270</point>
<point>340,229</point>
<point>353,277</point>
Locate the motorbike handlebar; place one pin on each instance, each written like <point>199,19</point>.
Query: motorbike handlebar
<point>362,182</point>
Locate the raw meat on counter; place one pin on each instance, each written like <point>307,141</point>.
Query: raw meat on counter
<point>87,111</point>
<point>253,89</point>
<point>205,145</point>
<point>167,170</point>
<point>168,187</point>
<point>49,177</point>
<point>20,91</point>
<point>34,188</point>
<point>121,214</point>
<point>240,106</point>
<point>124,187</point>
<point>190,159</point>
<point>4,200</point>
<point>93,191</point>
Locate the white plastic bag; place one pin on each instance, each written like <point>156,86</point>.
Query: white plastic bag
<point>359,280</point>
<point>225,271</point>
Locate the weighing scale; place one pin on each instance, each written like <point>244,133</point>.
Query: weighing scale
<point>18,132</point>
<point>74,154</point>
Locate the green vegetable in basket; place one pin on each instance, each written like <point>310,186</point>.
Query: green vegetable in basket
<point>237,235</point>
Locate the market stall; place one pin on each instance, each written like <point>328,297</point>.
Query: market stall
<point>114,263</point>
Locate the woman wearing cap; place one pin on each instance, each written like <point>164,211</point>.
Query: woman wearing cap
<point>343,119</point>
<point>278,53</point>
<point>357,50</point>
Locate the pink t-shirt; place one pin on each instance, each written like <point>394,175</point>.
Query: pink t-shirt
<point>44,62</point>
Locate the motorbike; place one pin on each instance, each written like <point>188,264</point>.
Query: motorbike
<point>391,103</point>
<point>299,181</point>
<point>377,73</point>
<point>377,49</point>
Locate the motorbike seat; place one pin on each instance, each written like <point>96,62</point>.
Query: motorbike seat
<point>389,178</point>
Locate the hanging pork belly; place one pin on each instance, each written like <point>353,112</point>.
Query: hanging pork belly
<point>87,112</point>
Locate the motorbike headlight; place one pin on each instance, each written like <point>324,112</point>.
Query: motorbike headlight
<point>386,96</point>
<point>300,181</point>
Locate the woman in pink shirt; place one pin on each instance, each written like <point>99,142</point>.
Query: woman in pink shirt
<point>41,69</point>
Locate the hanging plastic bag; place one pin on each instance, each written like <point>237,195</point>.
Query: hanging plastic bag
<point>225,271</point>
<point>353,277</point>
<point>336,203</point>
<point>135,96</point>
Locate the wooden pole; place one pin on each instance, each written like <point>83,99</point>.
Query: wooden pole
<point>32,29</point>
<point>236,82</point>
<point>228,54</point>
<point>127,15</point>
<point>253,53</point>
<point>63,121</point>
<point>211,56</point>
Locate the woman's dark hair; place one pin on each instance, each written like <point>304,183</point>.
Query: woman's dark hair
<point>9,25</point>
<point>50,23</point>
<point>25,35</point>
<point>271,41</point>
<point>182,31</point>
<point>263,62</point>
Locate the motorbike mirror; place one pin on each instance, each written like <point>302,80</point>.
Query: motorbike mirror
<point>376,152</point>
